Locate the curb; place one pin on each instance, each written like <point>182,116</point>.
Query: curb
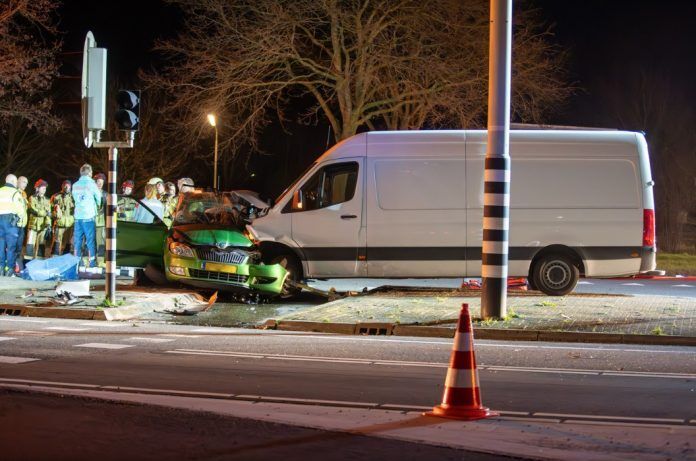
<point>391,329</point>
<point>20,310</point>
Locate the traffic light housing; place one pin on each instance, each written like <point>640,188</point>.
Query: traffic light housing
<point>128,113</point>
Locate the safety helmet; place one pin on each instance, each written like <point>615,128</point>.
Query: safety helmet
<point>154,181</point>
<point>40,183</point>
<point>67,181</point>
<point>128,183</point>
<point>101,176</point>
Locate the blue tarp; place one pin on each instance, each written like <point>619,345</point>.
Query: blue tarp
<point>56,268</point>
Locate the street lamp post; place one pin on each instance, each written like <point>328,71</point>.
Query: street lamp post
<point>213,122</point>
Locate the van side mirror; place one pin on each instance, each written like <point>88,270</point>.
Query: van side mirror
<point>297,200</point>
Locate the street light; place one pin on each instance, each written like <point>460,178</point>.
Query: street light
<point>213,122</point>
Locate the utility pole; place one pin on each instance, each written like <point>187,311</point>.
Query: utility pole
<point>496,196</point>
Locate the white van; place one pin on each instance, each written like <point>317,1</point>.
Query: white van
<point>410,204</point>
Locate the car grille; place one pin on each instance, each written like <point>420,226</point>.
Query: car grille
<point>218,276</point>
<point>222,256</point>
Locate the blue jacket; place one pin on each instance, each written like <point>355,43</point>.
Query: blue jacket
<point>87,198</point>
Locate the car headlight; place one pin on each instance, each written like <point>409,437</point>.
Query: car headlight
<point>180,249</point>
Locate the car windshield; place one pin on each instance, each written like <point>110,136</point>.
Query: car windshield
<point>215,208</point>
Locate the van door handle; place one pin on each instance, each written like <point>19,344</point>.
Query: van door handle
<point>348,216</point>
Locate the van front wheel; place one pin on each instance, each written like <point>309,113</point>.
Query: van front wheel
<point>292,265</point>
<point>555,275</point>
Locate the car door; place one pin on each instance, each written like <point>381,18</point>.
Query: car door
<point>139,241</point>
<point>327,223</point>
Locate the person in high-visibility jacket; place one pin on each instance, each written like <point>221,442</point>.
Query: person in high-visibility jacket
<point>63,209</point>
<point>22,183</point>
<point>169,201</point>
<point>39,221</point>
<point>10,211</point>
<point>100,220</point>
<point>126,203</point>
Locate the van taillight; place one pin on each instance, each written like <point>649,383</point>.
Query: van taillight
<point>648,228</point>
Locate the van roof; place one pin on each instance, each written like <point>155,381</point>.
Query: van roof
<point>347,147</point>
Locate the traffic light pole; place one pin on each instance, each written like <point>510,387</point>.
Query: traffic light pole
<point>496,194</point>
<point>111,216</point>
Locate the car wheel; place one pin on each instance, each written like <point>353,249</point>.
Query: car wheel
<point>291,264</point>
<point>555,275</point>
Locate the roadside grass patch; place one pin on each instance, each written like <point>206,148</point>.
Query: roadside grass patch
<point>106,303</point>
<point>657,331</point>
<point>677,263</point>
<point>546,304</point>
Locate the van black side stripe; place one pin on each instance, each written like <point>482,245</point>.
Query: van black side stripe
<point>453,253</point>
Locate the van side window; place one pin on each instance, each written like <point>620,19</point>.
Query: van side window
<point>329,186</point>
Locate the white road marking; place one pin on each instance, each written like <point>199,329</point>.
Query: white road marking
<point>102,324</point>
<point>149,340</point>
<point>6,338</point>
<point>16,360</point>
<point>585,283</point>
<point>22,320</point>
<point>632,418</point>
<point>448,343</point>
<point>30,333</point>
<point>174,335</point>
<point>104,345</point>
<point>364,361</point>
<point>682,286</point>
<point>66,329</point>
<point>211,330</point>
<point>633,284</point>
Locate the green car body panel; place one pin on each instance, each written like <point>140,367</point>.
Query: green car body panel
<point>209,265</point>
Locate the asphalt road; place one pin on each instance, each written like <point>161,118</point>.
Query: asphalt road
<point>608,381</point>
<point>655,287</point>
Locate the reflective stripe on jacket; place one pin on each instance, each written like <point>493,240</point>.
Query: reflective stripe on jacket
<point>62,207</point>
<point>39,213</point>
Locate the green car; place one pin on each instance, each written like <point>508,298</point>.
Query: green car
<point>206,246</point>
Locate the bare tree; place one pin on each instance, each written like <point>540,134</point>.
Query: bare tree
<point>396,64</point>
<point>652,103</point>
<point>27,62</point>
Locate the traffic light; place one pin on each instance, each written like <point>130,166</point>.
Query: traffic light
<point>128,113</point>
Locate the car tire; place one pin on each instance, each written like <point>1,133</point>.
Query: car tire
<point>150,276</point>
<point>294,268</point>
<point>555,274</point>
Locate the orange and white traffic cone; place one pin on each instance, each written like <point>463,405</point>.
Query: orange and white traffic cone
<point>462,397</point>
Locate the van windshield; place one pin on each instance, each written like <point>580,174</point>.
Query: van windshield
<point>292,185</point>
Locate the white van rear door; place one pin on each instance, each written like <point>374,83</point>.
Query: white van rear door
<point>328,227</point>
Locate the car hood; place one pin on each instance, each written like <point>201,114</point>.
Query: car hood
<point>201,235</point>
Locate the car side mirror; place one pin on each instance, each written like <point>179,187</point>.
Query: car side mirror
<point>297,204</point>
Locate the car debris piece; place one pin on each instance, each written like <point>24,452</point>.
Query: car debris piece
<point>191,304</point>
<point>28,294</point>
<point>79,288</point>
<point>65,298</point>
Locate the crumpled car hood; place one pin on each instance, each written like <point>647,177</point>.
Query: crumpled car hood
<point>196,234</point>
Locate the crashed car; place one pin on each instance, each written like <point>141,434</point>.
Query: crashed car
<point>206,245</point>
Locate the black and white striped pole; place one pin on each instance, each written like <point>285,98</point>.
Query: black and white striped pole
<point>496,193</point>
<point>111,201</point>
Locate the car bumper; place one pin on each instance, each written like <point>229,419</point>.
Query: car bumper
<point>267,279</point>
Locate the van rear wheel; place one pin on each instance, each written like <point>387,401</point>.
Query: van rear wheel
<point>555,275</point>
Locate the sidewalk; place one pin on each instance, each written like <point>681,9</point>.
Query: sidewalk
<point>131,302</point>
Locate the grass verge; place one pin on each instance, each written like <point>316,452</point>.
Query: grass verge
<point>677,263</point>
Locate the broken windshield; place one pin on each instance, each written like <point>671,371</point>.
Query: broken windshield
<point>214,208</point>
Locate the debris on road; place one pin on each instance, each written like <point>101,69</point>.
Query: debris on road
<point>191,304</point>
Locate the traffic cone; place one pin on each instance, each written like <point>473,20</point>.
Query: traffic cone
<point>462,397</point>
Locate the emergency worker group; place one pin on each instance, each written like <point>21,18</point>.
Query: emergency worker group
<point>73,219</point>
